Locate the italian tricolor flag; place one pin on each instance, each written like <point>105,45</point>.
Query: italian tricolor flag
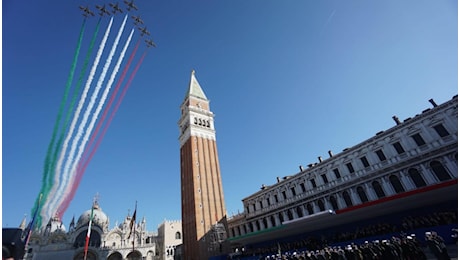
<point>88,234</point>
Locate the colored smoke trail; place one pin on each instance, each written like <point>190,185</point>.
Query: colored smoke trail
<point>67,170</point>
<point>47,176</point>
<point>112,114</point>
<point>90,127</point>
<point>47,210</point>
<point>76,92</point>
<point>81,168</point>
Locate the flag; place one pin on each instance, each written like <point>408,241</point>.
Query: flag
<point>30,227</point>
<point>132,224</point>
<point>88,234</point>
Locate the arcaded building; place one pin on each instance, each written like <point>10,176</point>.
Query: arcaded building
<point>408,167</point>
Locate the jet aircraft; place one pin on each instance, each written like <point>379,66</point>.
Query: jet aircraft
<point>86,11</point>
<point>150,43</point>
<point>103,10</point>
<point>144,31</point>
<point>137,20</point>
<point>130,5</point>
<point>116,8</point>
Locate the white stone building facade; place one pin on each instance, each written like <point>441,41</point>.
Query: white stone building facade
<point>416,157</point>
<point>169,238</point>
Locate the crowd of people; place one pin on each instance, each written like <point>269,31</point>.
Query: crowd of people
<point>408,223</point>
<point>401,247</point>
<point>406,248</point>
<point>430,220</point>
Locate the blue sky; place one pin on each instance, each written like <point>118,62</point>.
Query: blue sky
<point>287,80</point>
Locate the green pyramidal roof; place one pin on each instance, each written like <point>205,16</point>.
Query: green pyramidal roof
<point>195,89</point>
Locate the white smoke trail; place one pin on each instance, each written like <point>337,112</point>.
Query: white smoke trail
<point>66,171</point>
<point>46,211</point>
<point>94,118</point>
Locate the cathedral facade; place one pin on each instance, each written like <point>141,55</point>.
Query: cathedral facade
<point>117,243</point>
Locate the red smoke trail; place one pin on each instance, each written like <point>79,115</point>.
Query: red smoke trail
<point>112,97</point>
<point>82,135</point>
<point>47,210</point>
<point>82,167</point>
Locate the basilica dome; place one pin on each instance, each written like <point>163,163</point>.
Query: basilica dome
<point>99,217</point>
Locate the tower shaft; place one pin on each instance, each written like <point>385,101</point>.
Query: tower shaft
<point>202,197</point>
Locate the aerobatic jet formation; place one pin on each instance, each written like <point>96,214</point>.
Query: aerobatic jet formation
<point>150,43</point>
<point>137,20</point>
<point>113,8</point>
<point>116,8</point>
<point>130,5</point>
<point>86,11</point>
<point>144,31</point>
<point>103,10</point>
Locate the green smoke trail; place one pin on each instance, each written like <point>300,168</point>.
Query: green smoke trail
<point>47,177</point>
<point>72,104</point>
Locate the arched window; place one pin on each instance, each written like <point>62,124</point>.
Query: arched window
<point>440,171</point>
<point>257,225</point>
<point>264,221</point>
<point>347,199</point>
<point>290,216</point>
<point>178,235</point>
<point>333,202</point>
<point>321,205</point>
<point>299,211</point>
<point>416,178</point>
<point>310,209</point>
<point>280,215</point>
<point>272,220</point>
<point>378,189</point>
<point>362,194</point>
<point>396,184</point>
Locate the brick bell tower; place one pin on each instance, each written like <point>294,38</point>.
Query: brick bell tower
<point>204,223</point>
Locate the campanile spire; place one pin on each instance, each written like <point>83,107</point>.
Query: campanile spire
<point>202,197</point>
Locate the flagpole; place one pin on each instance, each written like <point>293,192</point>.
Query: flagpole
<point>88,234</point>
<point>134,218</point>
<point>32,223</point>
